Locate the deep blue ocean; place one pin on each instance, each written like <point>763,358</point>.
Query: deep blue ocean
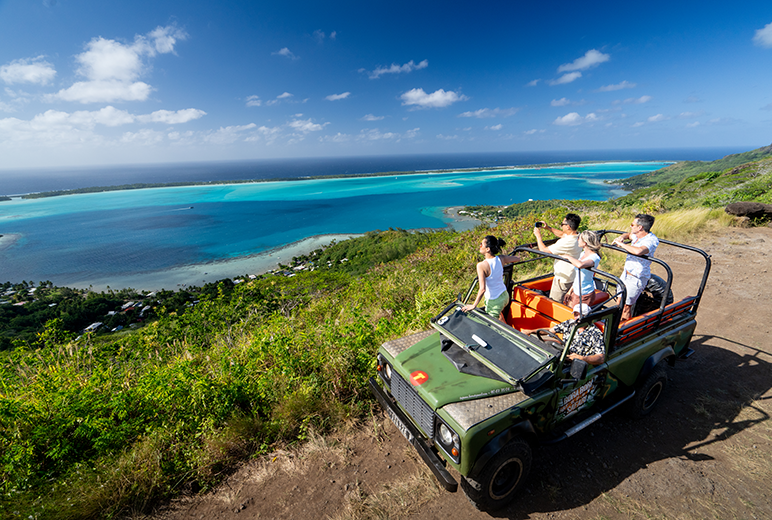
<point>72,238</point>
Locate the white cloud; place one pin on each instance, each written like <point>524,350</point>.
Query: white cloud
<point>533,131</point>
<point>495,127</point>
<point>284,51</point>
<point>376,135</point>
<point>487,112</point>
<point>657,118</point>
<point>164,38</point>
<point>228,134</point>
<point>437,99</point>
<point>560,102</point>
<point>33,70</point>
<point>319,35</point>
<point>397,69</point>
<point>689,115</point>
<point>337,138</point>
<point>447,137</point>
<point>566,78</point>
<point>306,126</point>
<point>693,125</point>
<point>639,123</point>
<point>592,58</point>
<point>574,119</point>
<point>619,86</point>
<point>638,101</point>
<point>254,101</point>
<point>108,116</point>
<point>335,97</point>
<point>143,137</point>
<point>171,117</point>
<point>112,68</point>
<point>279,99</point>
<point>533,83</point>
<point>763,37</point>
<point>104,92</point>
<point>370,117</point>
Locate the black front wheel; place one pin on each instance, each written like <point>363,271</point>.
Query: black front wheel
<point>648,394</point>
<point>501,479</point>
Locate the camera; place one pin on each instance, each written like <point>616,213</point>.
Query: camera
<point>539,224</point>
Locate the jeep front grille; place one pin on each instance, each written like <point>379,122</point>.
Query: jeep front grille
<point>417,409</point>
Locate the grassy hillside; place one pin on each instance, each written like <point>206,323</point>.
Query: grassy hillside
<point>108,425</point>
<point>677,172</point>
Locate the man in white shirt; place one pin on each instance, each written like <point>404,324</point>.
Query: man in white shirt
<point>637,270</point>
<point>567,244</point>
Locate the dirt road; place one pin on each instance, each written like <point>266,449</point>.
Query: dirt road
<point>705,452</point>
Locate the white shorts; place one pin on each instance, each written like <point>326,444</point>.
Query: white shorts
<point>635,287</point>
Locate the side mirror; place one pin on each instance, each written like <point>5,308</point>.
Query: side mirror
<point>578,369</point>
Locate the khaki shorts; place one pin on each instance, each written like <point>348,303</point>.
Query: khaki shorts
<point>559,289</point>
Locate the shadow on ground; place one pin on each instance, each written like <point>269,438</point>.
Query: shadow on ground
<point>716,394</point>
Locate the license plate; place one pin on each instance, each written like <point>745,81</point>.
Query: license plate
<point>400,425</point>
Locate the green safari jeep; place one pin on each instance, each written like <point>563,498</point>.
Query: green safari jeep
<point>478,394</point>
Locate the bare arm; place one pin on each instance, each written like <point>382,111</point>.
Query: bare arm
<point>506,259</point>
<point>581,264</point>
<point>634,250</point>
<point>557,232</point>
<point>481,275</point>
<point>595,359</point>
<point>540,242</point>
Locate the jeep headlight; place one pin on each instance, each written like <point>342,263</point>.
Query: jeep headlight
<point>448,440</point>
<point>384,369</point>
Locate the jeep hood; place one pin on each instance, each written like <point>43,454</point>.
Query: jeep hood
<point>438,380</point>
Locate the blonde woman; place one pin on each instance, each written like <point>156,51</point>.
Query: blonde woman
<point>583,290</point>
<point>490,273</point>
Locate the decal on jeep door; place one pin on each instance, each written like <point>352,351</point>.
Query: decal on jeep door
<point>578,398</point>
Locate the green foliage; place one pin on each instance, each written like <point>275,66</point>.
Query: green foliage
<point>677,172</point>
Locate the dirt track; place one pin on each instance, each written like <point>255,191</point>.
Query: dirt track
<point>704,453</point>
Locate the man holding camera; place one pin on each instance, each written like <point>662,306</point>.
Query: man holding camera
<point>567,244</point>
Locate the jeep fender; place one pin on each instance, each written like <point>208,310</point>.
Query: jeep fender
<point>522,429</point>
<point>653,360</point>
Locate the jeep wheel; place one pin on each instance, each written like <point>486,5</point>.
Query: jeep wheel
<point>500,479</point>
<point>647,396</point>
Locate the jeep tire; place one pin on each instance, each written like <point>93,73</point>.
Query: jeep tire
<point>648,394</point>
<point>501,478</point>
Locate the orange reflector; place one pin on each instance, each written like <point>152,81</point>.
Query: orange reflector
<point>491,432</point>
<point>454,452</point>
<point>379,368</point>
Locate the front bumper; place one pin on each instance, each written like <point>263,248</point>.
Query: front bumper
<point>415,437</point>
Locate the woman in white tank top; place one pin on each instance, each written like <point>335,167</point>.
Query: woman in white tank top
<point>490,274</point>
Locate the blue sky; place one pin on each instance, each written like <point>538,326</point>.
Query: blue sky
<point>86,82</point>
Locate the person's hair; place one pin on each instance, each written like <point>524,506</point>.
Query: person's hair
<point>494,244</point>
<point>645,221</point>
<point>591,239</point>
<point>573,220</point>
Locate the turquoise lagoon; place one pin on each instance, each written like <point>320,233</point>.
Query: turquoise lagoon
<point>102,237</point>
